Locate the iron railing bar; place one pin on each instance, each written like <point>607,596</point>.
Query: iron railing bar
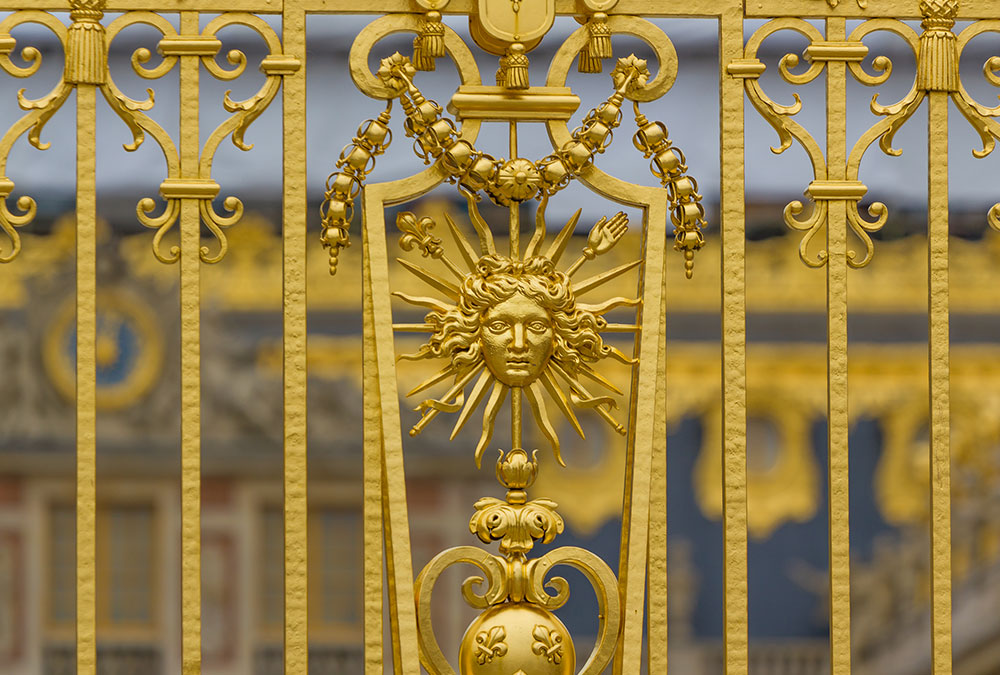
<point>939,365</point>
<point>837,419</point>
<point>399,563</point>
<point>372,477</point>
<point>86,380</point>
<point>734,420</point>
<point>190,310</point>
<point>294,342</point>
<point>657,612</point>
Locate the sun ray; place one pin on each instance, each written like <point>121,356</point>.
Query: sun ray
<point>475,398</point>
<point>497,397</point>
<point>593,282</point>
<point>486,244</point>
<point>432,280</point>
<point>413,328</point>
<point>533,393</point>
<point>439,376</point>
<point>484,294</point>
<point>584,398</point>
<point>432,412</point>
<point>538,238</point>
<point>609,304</point>
<point>422,301</point>
<point>423,353</point>
<point>620,356</point>
<point>587,371</point>
<point>464,247</point>
<point>562,402</point>
<point>562,239</point>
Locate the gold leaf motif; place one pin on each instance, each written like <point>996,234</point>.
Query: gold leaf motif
<point>516,526</point>
<point>547,643</point>
<point>490,644</point>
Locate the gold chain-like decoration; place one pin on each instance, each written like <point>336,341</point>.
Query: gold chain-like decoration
<point>356,161</point>
<point>668,164</point>
<point>512,180</point>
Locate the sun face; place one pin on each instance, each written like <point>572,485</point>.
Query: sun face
<point>517,340</point>
<point>514,326</point>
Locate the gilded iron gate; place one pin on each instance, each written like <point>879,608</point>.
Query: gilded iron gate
<point>509,324</point>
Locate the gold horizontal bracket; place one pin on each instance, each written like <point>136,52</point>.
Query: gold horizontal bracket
<point>7,43</point>
<point>536,104</point>
<point>6,187</point>
<point>189,188</point>
<point>830,190</point>
<point>189,45</point>
<point>836,51</point>
<point>746,68</point>
<point>280,64</point>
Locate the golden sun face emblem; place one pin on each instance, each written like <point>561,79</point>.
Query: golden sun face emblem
<point>513,325</point>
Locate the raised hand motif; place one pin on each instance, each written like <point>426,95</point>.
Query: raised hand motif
<point>605,234</point>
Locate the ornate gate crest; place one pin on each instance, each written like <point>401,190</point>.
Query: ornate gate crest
<point>519,328</point>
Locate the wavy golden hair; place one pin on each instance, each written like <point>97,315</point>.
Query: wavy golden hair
<point>497,278</point>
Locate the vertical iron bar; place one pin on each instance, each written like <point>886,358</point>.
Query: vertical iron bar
<point>399,564</point>
<point>86,379</point>
<point>294,347</point>
<point>657,612</point>
<point>373,555</point>
<point>732,210</point>
<point>939,372</point>
<point>837,420</point>
<point>632,569</point>
<point>190,271</point>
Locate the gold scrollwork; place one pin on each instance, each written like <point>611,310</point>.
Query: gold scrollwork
<point>937,52</point>
<point>605,587</point>
<point>39,111</point>
<point>274,66</point>
<point>494,574</point>
<point>884,130</point>
<point>133,113</point>
<point>176,187</point>
<point>933,54</point>
<point>779,116</point>
<point>980,116</point>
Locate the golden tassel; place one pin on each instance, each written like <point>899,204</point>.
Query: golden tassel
<point>421,59</point>
<point>432,36</point>
<point>600,37</point>
<point>86,59</point>
<point>514,67</point>
<point>937,63</point>
<point>589,63</point>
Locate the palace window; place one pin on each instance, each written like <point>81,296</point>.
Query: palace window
<point>126,567</point>
<point>335,575</point>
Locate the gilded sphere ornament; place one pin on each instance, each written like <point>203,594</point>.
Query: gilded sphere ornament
<point>517,637</point>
